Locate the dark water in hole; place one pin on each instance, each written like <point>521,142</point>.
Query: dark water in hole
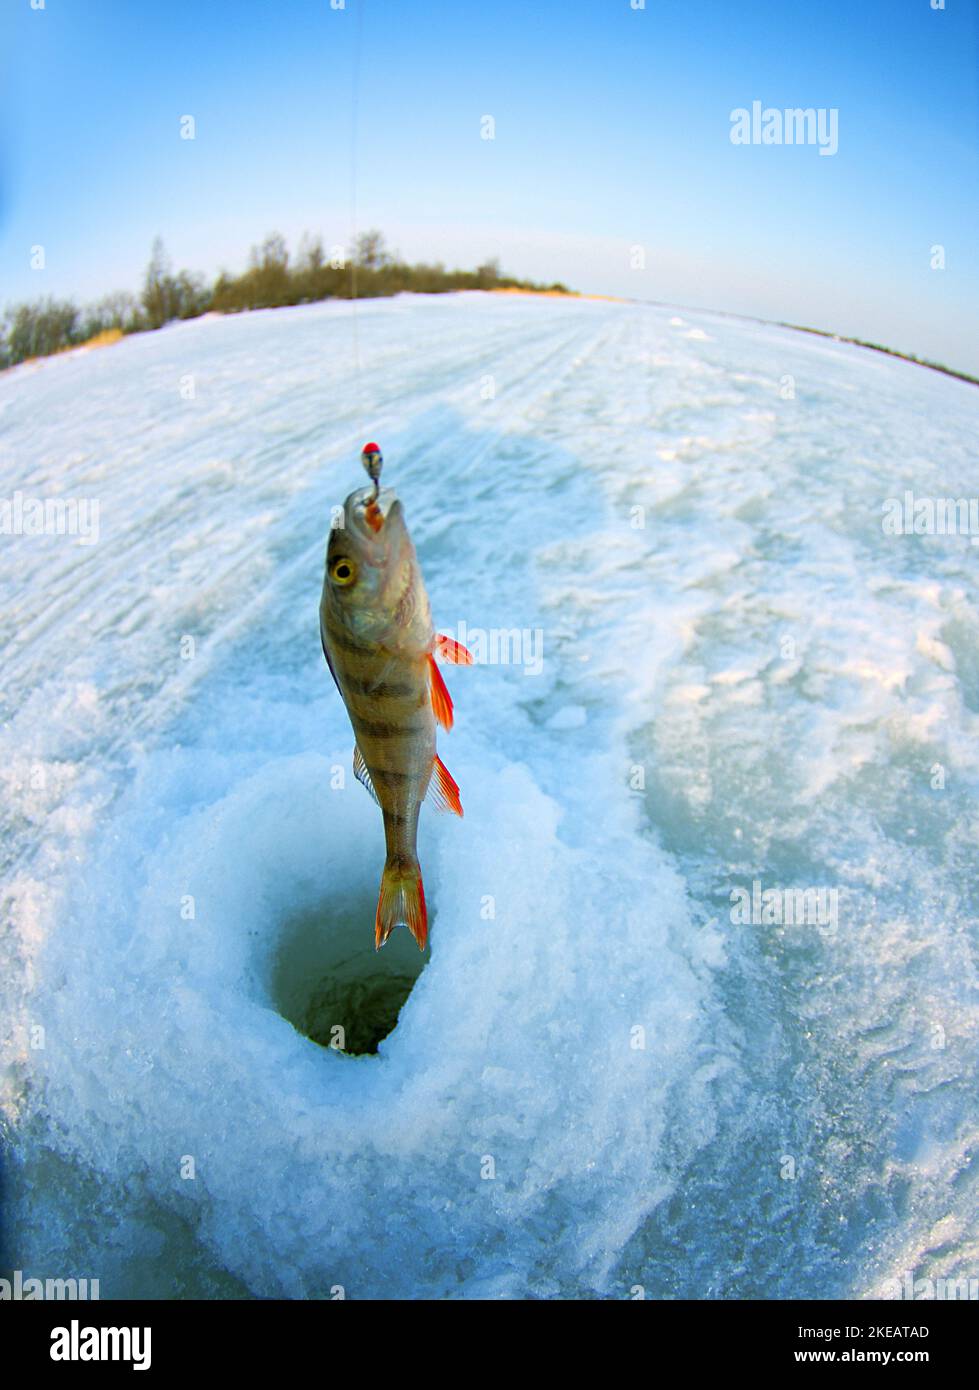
<point>367,1010</point>
<point>328,977</point>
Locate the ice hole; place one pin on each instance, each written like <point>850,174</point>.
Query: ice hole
<point>331,984</point>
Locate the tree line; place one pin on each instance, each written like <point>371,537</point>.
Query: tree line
<point>273,277</point>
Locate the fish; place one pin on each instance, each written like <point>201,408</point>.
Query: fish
<point>380,645</point>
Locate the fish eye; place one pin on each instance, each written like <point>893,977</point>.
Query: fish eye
<point>342,571</point>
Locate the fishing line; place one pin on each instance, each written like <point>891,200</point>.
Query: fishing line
<point>354,122</point>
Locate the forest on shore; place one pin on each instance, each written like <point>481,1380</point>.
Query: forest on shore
<point>274,277</point>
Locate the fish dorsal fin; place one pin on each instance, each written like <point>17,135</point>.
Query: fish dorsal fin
<point>441,699</point>
<point>361,773</point>
<point>442,789</point>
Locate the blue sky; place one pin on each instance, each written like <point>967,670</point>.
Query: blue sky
<point>612,130</point>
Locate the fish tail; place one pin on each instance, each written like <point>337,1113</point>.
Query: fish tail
<point>401,901</point>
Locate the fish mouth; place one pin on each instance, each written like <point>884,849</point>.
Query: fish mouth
<point>365,515</point>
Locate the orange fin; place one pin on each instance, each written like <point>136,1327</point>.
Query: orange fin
<point>401,902</point>
<point>451,650</point>
<point>441,699</point>
<point>443,789</point>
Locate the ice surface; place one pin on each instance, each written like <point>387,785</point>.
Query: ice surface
<point>599,1080</point>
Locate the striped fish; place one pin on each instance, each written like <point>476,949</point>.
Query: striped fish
<point>379,643</point>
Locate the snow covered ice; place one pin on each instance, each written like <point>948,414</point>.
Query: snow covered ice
<point>599,1080</point>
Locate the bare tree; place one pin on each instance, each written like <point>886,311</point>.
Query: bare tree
<point>370,251</point>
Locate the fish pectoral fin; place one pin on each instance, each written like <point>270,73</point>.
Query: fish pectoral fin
<point>361,773</point>
<point>451,650</point>
<point>441,699</point>
<point>381,676</point>
<point>443,791</point>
